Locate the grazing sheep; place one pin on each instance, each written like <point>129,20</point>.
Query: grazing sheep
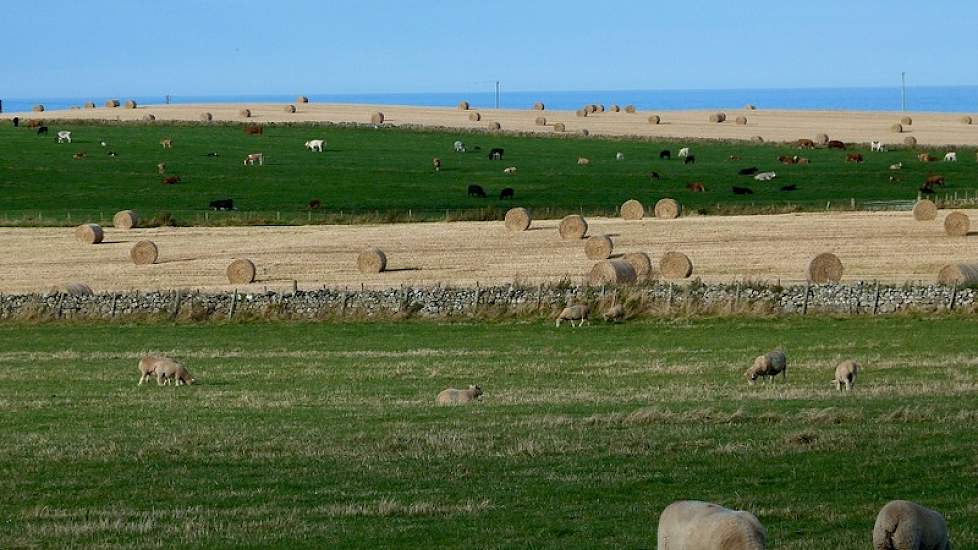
<point>696,525</point>
<point>904,525</point>
<point>147,367</point>
<point>42,131</point>
<point>802,161</point>
<point>510,170</point>
<point>254,157</point>
<point>452,396</point>
<point>166,143</point>
<point>769,365</point>
<point>733,157</point>
<point>65,135</point>
<point>581,161</point>
<point>459,147</point>
<point>683,153</point>
<point>436,163</point>
<point>931,181</point>
<point>614,313</point>
<point>785,159</point>
<point>877,146</point>
<point>765,176</point>
<point>161,168</point>
<point>619,156</point>
<point>948,157</point>
<point>496,153</point>
<point>169,370</point>
<point>316,145</point>
<point>574,313</point>
<point>897,166</point>
<point>845,375</point>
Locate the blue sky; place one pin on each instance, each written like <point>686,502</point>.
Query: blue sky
<point>99,48</point>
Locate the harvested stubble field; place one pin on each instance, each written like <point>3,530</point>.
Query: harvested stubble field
<point>305,435</point>
<point>369,174</point>
<point>889,247</point>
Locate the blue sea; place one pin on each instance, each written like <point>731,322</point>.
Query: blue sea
<point>940,99</point>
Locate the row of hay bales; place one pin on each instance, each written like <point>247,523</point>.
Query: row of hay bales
<point>956,224</point>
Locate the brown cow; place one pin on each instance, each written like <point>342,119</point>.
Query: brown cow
<point>170,180</point>
<point>315,204</point>
<point>436,163</point>
<point>854,157</point>
<point>696,187</point>
<point>803,160</point>
<point>253,130</point>
<point>934,180</point>
<point>34,123</point>
<point>836,144</point>
<point>806,144</point>
<point>926,157</point>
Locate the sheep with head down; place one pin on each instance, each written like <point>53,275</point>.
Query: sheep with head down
<point>579,312</point>
<point>695,525</point>
<point>452,396</point>
<point>767,366</point>
<point>845,375</point>
<point>904,525</point>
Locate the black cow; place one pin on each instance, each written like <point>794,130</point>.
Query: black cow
<point>742,191</point>
<point>42,130</point>
<point>477,191</point>
<point>496,153</point>
<point>665,154</point>
<point>927,190</point>
<point>506,193</point>
<point>222,204</point>
<point>653,175</point>
<point>748,171</point>
<point>690,159</point>
<point>15,121</point>
<point>791,187</point>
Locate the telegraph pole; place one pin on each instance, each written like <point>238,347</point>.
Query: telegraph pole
<point>903,91</point>
<point>497,94</point>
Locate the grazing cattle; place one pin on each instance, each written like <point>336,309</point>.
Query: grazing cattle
<point>934,180</point>
<point>170,180</point>
<point>619,156</point>
<point>43,130</point>
<point>894,179</point>
<point>742,190</point>
<point>254,157</point>
<point>459,147</point>
<point>161,168</point>
<point>477,191</point>
<point>733,157</point>
<point>877,146</point>
<point>509,170</point>
<point>79,155</point>
<point>897,166</point>
<point>15,121</point>
<point>854,157</point>
<point>748,171</point>
<point>925,157</point>
<point>696,187</point>
<point>254,130</point>
<point>496,153</point>
<point>836,144</point>
<point>665,154</point>
<point>506,193</point>
<point>653,175</point>
<point>765,176</point>
<point>926,190</point>
<point>222,204</point>
<point>63,136</point>
<point>689,159</point>
<point>803,161</point>
<point>683,153</point>
<point>581,161</point>
<point>791,187</point>
<point>805,144</point>
<point>436,164</point>
<point>316,145</point>
<point>315,204</point>
<point>951,157</point>
<point>34,123</point>
<point>166,143</point>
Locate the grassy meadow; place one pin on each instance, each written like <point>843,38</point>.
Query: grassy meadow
<point>326,435</point>
<point>386,174</point>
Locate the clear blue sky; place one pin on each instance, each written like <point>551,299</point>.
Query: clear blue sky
<point>80,48</point>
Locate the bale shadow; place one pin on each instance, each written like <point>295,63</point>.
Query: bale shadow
<point>176,261</point>
<point>402,269</point>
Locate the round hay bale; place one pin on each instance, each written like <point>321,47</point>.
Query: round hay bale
<point>38,108</point>
<point>630,109</point>
<point>910,141</point>
<point>598,247</point>
<point>967,120</point>
<point>463,105</point>
<point>590,108</point>
<point>641,263</point>
<point>957,224</point>
<point>518,219</point>
<point>655,119</point>
<point>750,107</point>
<point>612,272</point>
<point>757,139</point>
<point>241,271</point>
<point>897,128</point>
<point>825,268</point>
<point>584,132</point>
<point>540,121</point>
<point>112,103</point>
<point>377,118</point>
<point>290,108</point>
<point>77,289</point>
<point>144,253</point>
<point>89,104</point>
<point>668,209</point>
<point>958,274</point>
<point>559,127</point>
<point>906,121</point>
<point>614,109</point>
<point>924,210</point>
<point>675,265</point>
<point>741,121</point>
<point>717,118</point>
<point>125,219</point>
<point>302,99</point>
<point>131,104</point>
<point>475,116</point>
<point>89,233</point>
<point>495,126</point>
<point>149,117</point>
<point>372,260</point>
<point>572,227</point>
<point>245,113</point>
<point>821,139</point>
<point>632,210</point>
<point>581,113</point>
<point>206,117</point>
<point>600,108</point>
<point>539,106</point>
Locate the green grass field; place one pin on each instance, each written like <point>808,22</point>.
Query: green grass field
<point>386,175</point>
<point>325,435</point>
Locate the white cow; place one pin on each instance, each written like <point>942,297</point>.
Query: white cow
<point>459,147</point>
<point>316,145</point>
<point>765,176</point>
<point>619,156</point>
<point>877,146</point>
<point>683,153</point>
<point>252,158</point>
<point>951,157</point>
<point>63,136</point>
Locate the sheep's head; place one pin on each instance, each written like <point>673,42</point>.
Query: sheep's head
<point>476,391</point>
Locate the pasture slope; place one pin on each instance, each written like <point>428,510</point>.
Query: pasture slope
<point>312,435</point>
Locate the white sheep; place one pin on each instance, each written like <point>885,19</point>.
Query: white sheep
<point>510,170</point>
<point>317,145</point>
<point>63,136</point>
<point>578,312</point>
<point>683,153</point>
<point>696,525</point>
<point>614,313</point>
<point>168,369</point>
<point>949,157</point>
<point>877,146</point>
<point>581,161</point>
<point>147,367</point>
<point>845,375</point>
<point>459,147</point>
<point>619,156</point>
<point>768,365</point>
<point>452,396</point>
<point>765,176</point>
<point>904,525</point>
<point>897,166</point>
<point>254,157</point>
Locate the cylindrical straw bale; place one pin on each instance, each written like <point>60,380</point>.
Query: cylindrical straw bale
<point>539,106</point>
<point>598,247</point>
<point>612,272</point>
<point>495,126</point>
<point>302,99</point>
<point>38,108</point>
<point>614,109</point>
<point>590,108</point>
<point>372,260</point>
<point>675,265</point>
<point>125,219</point>
<point>241,272</point>
<point>572,227</point>
<point>668,209</point>
<point>89,104</point>
<point>475,116</point>
<point>290,108</point>
<point>518,219</point>
<point>897,128</point>
<point>377,118</point>
<point>924,210</point>
<point>741,121</point>
<point>540,121</point>
<point>584,132</point>
<point>112,103</point>
<point>131,104</point>
<point>825,268</point>
<point>757,139</point>
<point>630,109</point>
<point>655,119</point>
<point>718,117</point>
<point>559,127</point>
<point>910,141</point>
<point>958,274</point>
<point>641,263</point>
<point>89,233</point>
<point>632,210</point>
<point>906,121</point>
<point>463,105</point>
<point>149,117</point>
<point>967,120</point>
<point>957,224</point>
<point>581,113</point>
<point>245,113</point>
<point>77,289</point>
<point>206,117</point>
<point>144,253</point>
<point>822,139</point>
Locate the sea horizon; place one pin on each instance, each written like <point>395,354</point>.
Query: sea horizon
<point>937,99</point>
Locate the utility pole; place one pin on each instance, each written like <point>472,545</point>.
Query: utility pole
<point>903,91</point>
<point>497,94</point>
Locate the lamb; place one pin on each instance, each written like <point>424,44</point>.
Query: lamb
<point>904,525</point>
<point>574,313</point>
<point>147,367</point>
<point>769,365</point>
<point>459,147</point>
<point>168,370</point>
<point>166,143</point>
<point>581,161</point>
<point>65,135</point>
<point>614,313</point>
<point>161,168</point>
<point>845,375</point>
<point>765,176</point>
<point>948,157</point>
<point>510,170</point>
<point>317,145</point>
<point>619,156</point>
<point>696,525</point>
<point>896,166</point>
<point>683,153</point>
<point>436,163</point>
<point>452,396</point>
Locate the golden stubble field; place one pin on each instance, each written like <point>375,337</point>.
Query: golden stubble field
<point>889,247</point>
